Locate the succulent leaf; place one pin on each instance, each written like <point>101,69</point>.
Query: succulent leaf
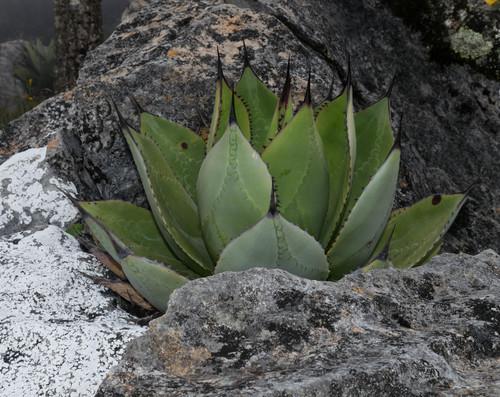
<point>154,281</point>
<point>173,208</point>
<point>275,243</point>
<point>297,162</point>
<point>364,225</point>
<point>182,149</point>
<point>377,264</point>
<point>234,186</point>
<point>374,138</point>
<point>418,229</point>
<point>335,123</point>
<point>260,103</point>
<point>135,229</point>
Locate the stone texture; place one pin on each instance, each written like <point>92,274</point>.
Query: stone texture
<point>466,31</point>
<point>78,29</point>
<point>29,195</point>
<point>11,89</point>
<point>164,54</point>
<point>59,332</point>
<point>430,331</point>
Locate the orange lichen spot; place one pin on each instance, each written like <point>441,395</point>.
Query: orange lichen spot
<point>53,143</point>
<point>172,53</point>
<point>358,290</point>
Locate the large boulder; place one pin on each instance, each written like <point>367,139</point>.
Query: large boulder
<point>59,331</point>
<point>426,332</point>
<point>164,54</point>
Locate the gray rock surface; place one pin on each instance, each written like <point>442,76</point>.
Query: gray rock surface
<point>466,31</point>
<point>11,89</point>
<point>165,54</point>
<point>430,331</point>
<point>59,331</point>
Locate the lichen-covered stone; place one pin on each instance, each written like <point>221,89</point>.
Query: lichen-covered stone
<point>465,31</point>
<point>469,44</point>
<point>59,331</point>
<point>430,331</point>
<point>30,198</point>
<point>164,54</point>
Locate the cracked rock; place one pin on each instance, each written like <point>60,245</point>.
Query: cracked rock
<point>59,332</point>
<point>434,330</point>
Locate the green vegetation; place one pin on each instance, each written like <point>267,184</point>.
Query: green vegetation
<point>310,192</point>
<point>37,74</point>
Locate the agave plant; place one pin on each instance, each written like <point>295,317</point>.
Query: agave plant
<point>310,192</point>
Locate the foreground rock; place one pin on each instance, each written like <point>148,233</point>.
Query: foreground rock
<point>59,332</point>
<point>30,195</point>
<point>431,331</point>
<point>165,53</point>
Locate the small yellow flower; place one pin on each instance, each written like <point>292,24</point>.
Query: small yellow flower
<point>30,98</point>
<point>490,2</point>
<point>30,82</point>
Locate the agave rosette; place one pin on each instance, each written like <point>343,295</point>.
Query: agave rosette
<point>310,192</point>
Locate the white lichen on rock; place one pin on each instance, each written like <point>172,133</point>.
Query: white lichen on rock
<point>29,197</point>
<point>59,332</point>
<point>469,44</point>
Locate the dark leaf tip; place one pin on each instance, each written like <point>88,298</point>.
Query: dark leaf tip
<point>391,85</point>
<point>137,105</point>
<point>246,57</point>
<point>397,138</point>
<point>285,94</point>
<point>348,80</point>
<point>329,95</point>
<point>307,96</point>
<point>472,186</point>
<point>232,113</point>
<point>274,205</point>
<point>220,72</point>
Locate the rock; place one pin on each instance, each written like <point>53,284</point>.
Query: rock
<point>59,331</point>
<point>430,331</point>
<point>461,31</point>
<point>133,7</point>
<point>164,55</point>
<point>11,89</point>
<point>29,195</point>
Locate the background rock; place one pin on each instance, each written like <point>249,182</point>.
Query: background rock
<point>11,89</point>
<point>430,331</point>
<point>59,332</point>
<point>165,53</point>
<point>466,31</point>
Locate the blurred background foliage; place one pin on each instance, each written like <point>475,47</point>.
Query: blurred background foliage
<point>33,22</point>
